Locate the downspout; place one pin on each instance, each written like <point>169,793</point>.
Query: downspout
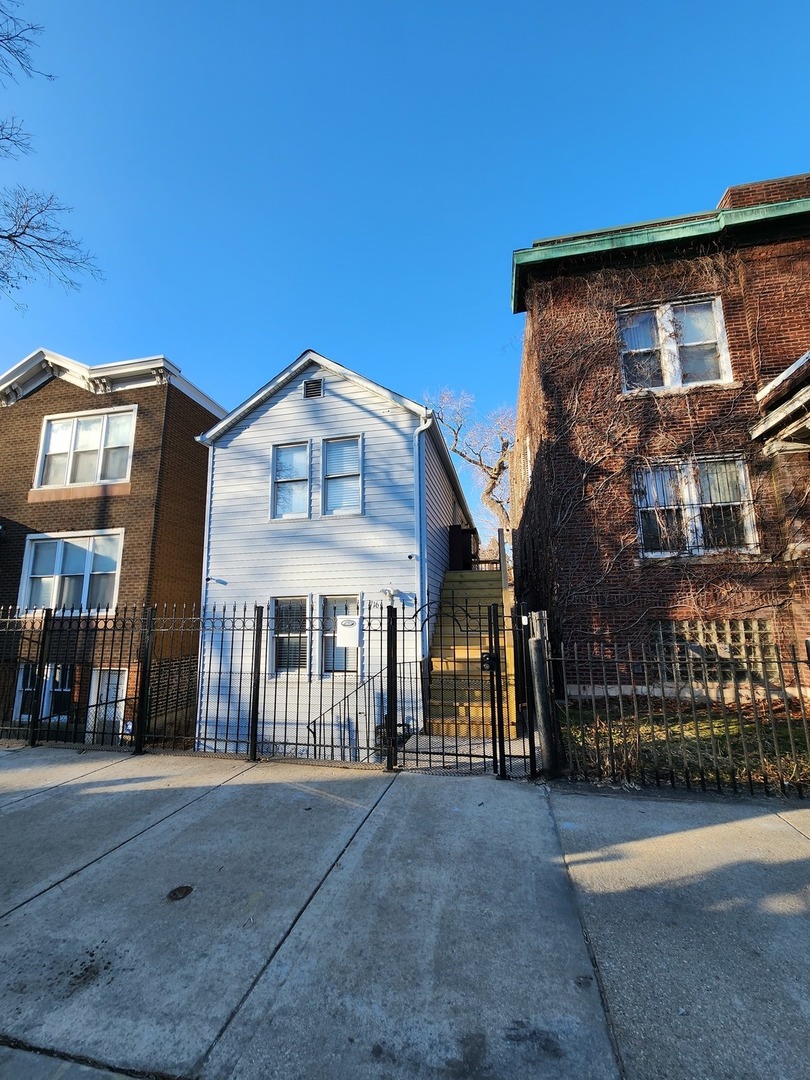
<point>208,510</point>
<point>419,518</point>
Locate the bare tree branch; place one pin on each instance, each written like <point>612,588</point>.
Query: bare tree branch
<point>485,443</point>
<point>33,241</point>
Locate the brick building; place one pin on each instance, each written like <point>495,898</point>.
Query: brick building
<point>102,506</point>
<point>106,458</point>
<point>660,473</point>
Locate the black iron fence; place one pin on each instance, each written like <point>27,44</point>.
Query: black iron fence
<point>447,688</point>
<point>683,714</point>
<point>441,687</point>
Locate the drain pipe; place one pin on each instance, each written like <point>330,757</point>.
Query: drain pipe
<point>420,528</point>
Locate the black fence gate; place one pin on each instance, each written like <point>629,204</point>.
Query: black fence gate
<point>441,688</point>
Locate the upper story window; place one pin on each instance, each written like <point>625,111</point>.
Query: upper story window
<point>695,506</point>
<point>290,486</point>
<point>88,448</point>
<point>674,345</point>
<point>72,571</point>
<point>341,492</point>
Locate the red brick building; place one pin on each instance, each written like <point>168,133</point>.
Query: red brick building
<point>660,473</point>
<point>102,506</point>
<point>101,461</point>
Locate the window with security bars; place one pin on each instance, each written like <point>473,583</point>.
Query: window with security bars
<point>716,650</point>
<point>289,634</point>
<point>341,476</point>
<point>89,448</point>
<point>694,506</point>
<point>57,692</point>
<point>337,657</point>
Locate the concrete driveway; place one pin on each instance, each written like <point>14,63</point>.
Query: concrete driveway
<point>180,917</point>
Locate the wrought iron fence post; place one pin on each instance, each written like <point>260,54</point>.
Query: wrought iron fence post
<point>495,622</point>
<point>522,632</point>
<point>42,661</point>
<point>391,688</point>
<point>253,731</point>
<point>538,658</point>
<point>144,679</point>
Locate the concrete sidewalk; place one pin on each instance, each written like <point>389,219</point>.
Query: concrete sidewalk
<point>698,911</point>
<point>213,919</point>
<point>205,919</point>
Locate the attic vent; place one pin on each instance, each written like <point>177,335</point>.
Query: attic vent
<point>313,388</point>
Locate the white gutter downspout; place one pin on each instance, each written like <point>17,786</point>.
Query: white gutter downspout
<point>420,522</point>
<point>208,511</point>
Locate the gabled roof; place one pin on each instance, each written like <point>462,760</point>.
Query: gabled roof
<point>307,359</point>
<point>43,364</point>
<point>293,371</point>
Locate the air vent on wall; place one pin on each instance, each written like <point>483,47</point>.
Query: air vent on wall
<point>313,388</point>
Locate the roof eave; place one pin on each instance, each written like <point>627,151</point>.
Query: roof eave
<point>661,233</point>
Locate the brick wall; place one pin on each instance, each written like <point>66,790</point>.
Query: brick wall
<point>576,545</point>
<point>177,556</point>
<point>783,189</point>
<point>162,523</point>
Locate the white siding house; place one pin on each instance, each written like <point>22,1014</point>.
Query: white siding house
<point>329,496</point>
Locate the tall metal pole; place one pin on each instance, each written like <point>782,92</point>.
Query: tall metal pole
<point>391,688</point>
<point>253,731</point>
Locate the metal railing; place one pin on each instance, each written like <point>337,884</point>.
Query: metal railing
<point>684,715</point>
<point>411,692</point>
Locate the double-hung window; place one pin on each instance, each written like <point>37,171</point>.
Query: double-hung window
<point>338,657</point>
<point>290,634</point>
<point>72,572</point>
<point>695,506</point>
<point>290,487</point>
<point>341,490</point>
<point>674,345</point>
<point>88,448</point>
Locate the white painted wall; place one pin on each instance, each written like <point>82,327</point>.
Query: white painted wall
<point>442,510</point>
<point>252,558</point>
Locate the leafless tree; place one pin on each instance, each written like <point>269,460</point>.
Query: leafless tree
<point>33,241</point>
<point>484,443</point>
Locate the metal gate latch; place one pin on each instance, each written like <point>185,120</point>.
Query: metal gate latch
<point>489,661</point>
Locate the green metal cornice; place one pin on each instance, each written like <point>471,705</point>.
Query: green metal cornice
<point>594,246</point>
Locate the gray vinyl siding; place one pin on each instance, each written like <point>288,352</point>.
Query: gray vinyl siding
<point>259,557</point>
<point>442,511</point>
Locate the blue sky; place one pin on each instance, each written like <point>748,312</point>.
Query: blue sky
<point>257,178</point>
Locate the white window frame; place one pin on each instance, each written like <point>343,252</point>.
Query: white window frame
<point>103,413</point>
<point>275,483</point>
<point>689,504</point>
<point>359,474</point>
<point>273,636</point>
<point>106,710</point>
<point>671,372</point>
<point>48,690</point>
<point>28,560</point>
